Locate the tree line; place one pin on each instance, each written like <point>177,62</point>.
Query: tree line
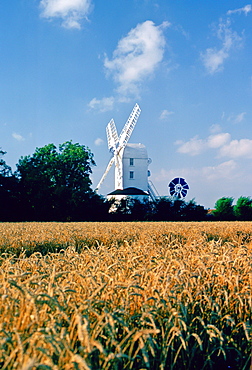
<point>54,184</point>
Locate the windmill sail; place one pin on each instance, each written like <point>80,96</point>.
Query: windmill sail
<point>112,136</point>
<point>117,144</point>
<point>129,126</point>
<point>106,172</point>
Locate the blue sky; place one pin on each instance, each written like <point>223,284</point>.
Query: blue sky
<point>68,66</point>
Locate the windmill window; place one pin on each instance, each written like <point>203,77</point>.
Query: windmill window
<point>131,174</point>
<point>131,161</point>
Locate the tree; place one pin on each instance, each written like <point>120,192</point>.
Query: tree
<point>163,209</point>
<point>224,209</point>
<point>130,209</point>
<point>194,212</point>
<point>55,183</point>
<point>243,209</point>
<point>168,209</point>
<point>8,192</point>
<point>5,170</point>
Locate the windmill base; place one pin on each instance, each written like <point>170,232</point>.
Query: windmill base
<point>123,194</point>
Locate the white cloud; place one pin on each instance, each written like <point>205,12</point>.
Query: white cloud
<point>196,145</point>
<point>17,137</point>
<point>215,128</point>
<point>222,141</point>
<point>218,140</point>
<point>137,56</point>
<point>237,118</point>
<point>213,58</point>
<point>165,114</point>
<point>237,148</point>
<point>246,9</point>
<point>240,117</point>
<point>225,170</point>
<point>103,105</point>
<point>70,11</point>
<point>99,141</point>
<point>192,147</point>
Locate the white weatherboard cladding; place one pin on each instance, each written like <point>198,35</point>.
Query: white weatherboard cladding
<point>135,175</point>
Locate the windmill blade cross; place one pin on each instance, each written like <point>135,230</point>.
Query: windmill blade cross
<point>129,127</point>
<point>117,144</point>
<point>112,160</point>
<point>112,136</point>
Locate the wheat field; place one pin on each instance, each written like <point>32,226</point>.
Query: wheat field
<point>164,295</point>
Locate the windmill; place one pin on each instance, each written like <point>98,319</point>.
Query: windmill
<point>178,188</point>
<point>117,144</point>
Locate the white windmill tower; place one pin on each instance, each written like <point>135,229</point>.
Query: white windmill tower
<point>131,160</point>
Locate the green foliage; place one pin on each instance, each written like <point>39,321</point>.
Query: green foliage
<point>162,209</point>
<point>195,212</point>
<point>243,209</point>
<point>128,209</point>
<point>8,191</point>
<point>69,167</point>
<point>224,209</point>
<point>55,183</point>
<point>5,170</point>
<point>167,209</point>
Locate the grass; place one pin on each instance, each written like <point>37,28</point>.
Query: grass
<point>125,295</point>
